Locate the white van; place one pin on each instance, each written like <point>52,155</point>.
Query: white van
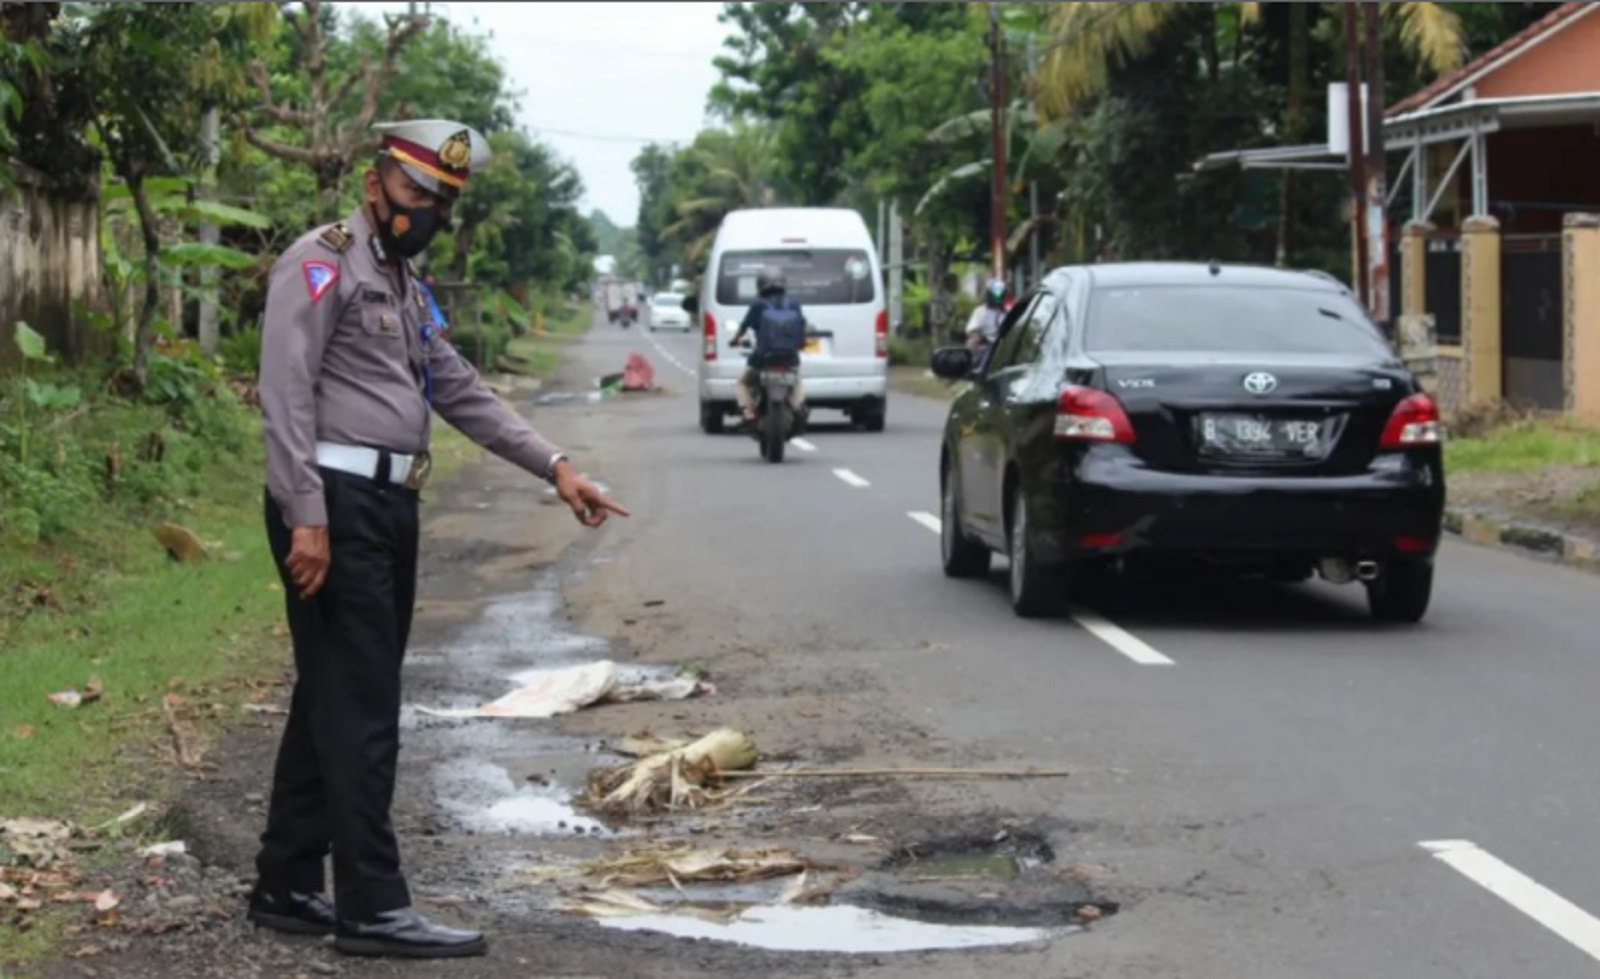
<point>833,273</point>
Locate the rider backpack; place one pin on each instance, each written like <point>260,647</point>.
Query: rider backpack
<point>782,331</point>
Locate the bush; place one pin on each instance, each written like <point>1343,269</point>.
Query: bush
<point>916,352</point>
<point>241,352</point>
<point>482,345</point>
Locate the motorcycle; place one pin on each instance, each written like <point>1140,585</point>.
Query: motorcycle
<point>776,421</point>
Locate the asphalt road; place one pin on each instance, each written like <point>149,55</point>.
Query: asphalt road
<point>1290,789</point>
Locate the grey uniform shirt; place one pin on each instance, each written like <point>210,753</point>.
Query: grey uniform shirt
<point>342,357</point>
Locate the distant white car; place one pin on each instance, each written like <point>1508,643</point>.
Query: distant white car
<point>667,312</point>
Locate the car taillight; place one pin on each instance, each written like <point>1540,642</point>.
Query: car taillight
<point>1087,415</point>
<point>881,330</point>
<point>711,337</point>
<point>1415,422</point>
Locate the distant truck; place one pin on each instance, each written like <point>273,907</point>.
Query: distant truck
<point>620,304</point>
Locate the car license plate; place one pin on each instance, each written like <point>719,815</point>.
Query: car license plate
<point>781,377</point>
<point>813,346</point>
<point>1253,435</point>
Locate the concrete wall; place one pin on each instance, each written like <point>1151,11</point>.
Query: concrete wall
<point>49,259</point>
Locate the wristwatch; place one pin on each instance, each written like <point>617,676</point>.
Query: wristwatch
<point>550,469</point>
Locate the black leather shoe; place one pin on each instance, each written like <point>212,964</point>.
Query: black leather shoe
<point>292,912</point>
<point>404,933</point>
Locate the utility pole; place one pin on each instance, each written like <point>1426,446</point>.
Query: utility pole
<point>210,234</point>
<point>1377,189</point>
<point>1358,155</point>
<point>997,140</point>
<point>897,270</point>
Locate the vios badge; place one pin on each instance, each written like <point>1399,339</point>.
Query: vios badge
<point>1260,383</point>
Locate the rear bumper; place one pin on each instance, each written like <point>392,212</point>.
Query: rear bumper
<point>1105,502</point>
<point>717,384</point>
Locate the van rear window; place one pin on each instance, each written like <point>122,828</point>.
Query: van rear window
<point>816,277</point>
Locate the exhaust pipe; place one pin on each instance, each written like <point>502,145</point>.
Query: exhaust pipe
<point>1367,570</point>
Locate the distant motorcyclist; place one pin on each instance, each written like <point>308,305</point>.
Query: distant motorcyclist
<point>779,326</point>
<point>984,324</point>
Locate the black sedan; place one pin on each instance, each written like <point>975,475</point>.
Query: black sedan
<point>1238,419</point>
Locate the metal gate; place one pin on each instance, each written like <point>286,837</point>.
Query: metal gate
<point>1442,287</point>
<point>1531,315</point>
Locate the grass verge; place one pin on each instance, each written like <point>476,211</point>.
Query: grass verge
<point>1525,445</point>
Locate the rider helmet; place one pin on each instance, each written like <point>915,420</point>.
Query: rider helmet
<point>995,294</point>
<point>770,280</point>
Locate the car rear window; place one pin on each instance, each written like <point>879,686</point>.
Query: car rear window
<point>1225,319</point>
<point>816,276</point>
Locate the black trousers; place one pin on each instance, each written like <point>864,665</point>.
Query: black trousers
<point>334,781</point>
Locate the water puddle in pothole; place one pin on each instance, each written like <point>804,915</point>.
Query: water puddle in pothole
<point>839,928</point>
<point>963,866</point>
<point>483,798</point>
<point>555,398</point>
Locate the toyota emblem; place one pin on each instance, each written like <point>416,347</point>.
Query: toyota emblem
<point>1260,383</point>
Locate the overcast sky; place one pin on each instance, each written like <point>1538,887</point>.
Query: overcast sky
<point>599,80</point>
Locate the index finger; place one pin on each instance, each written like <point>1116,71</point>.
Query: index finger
<point>614,506</point>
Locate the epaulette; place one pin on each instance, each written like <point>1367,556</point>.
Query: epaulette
<point>337,237</point>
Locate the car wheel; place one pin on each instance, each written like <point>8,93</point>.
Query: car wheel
<point>1401,592</point>
<point>872,419</point>
<point>1036,591</point>
<point>962,557</point>
<point>710,418</point>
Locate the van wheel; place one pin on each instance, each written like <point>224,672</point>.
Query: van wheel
<point>873,419</point>
<point>710,418</point>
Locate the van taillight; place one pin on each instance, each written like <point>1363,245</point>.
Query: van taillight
<point>1087,415</point>
<point>881,330</point>
<point>1415,422</point>
<point>711,337</point>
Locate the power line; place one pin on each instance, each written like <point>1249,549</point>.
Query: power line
<point>602,137</point>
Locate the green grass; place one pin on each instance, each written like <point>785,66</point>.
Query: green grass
<point>540,356</point>
<point>1525,446</point>
<point>143,624</point>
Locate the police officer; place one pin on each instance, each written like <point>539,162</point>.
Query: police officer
<point>354,363</point>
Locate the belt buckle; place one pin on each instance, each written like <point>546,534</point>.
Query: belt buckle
<point>417,475</point>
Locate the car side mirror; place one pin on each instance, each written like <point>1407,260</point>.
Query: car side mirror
<point>691,305</point>
<point>953,363</point>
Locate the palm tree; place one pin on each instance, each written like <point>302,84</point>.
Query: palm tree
<point>1087,40</point>
<point>732,169</point>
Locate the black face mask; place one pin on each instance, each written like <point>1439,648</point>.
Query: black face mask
<point>409,229</point>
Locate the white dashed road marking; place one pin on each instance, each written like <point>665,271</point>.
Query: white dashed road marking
<point>1117,638</point>
<point>851,478</point>
<point>668,356</point>
<point>1521,892</point>
<point>803,445</point>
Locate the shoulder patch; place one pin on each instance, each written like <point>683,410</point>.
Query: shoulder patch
<point>337,237</point>
<point>320,277</point>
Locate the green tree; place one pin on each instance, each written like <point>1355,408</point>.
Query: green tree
<point>652,174</point>
<point>777,70</point>
<point>723,171</point>
<point>316,107</point>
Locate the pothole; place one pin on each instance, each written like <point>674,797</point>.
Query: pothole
<point>483,798</point>
<point>1007,877</point>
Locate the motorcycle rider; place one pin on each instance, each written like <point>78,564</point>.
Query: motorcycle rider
<point>770,318</point>
<point>984,324</point>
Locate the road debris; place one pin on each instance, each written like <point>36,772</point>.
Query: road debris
<point>71,699</point>
<point>171,849</point>
<point>669,780</point>
<point>898,772</point>
<point>569,690</point>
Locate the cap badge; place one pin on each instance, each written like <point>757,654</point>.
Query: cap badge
<point>456,152</point>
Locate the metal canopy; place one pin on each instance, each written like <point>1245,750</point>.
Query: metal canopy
<point>1468,122</point>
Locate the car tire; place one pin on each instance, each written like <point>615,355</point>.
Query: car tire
<point>873,419</point>
<point>710,418</point>
<point>962,557</point>
<point>1401,593</point>
<point>1036,591</point>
